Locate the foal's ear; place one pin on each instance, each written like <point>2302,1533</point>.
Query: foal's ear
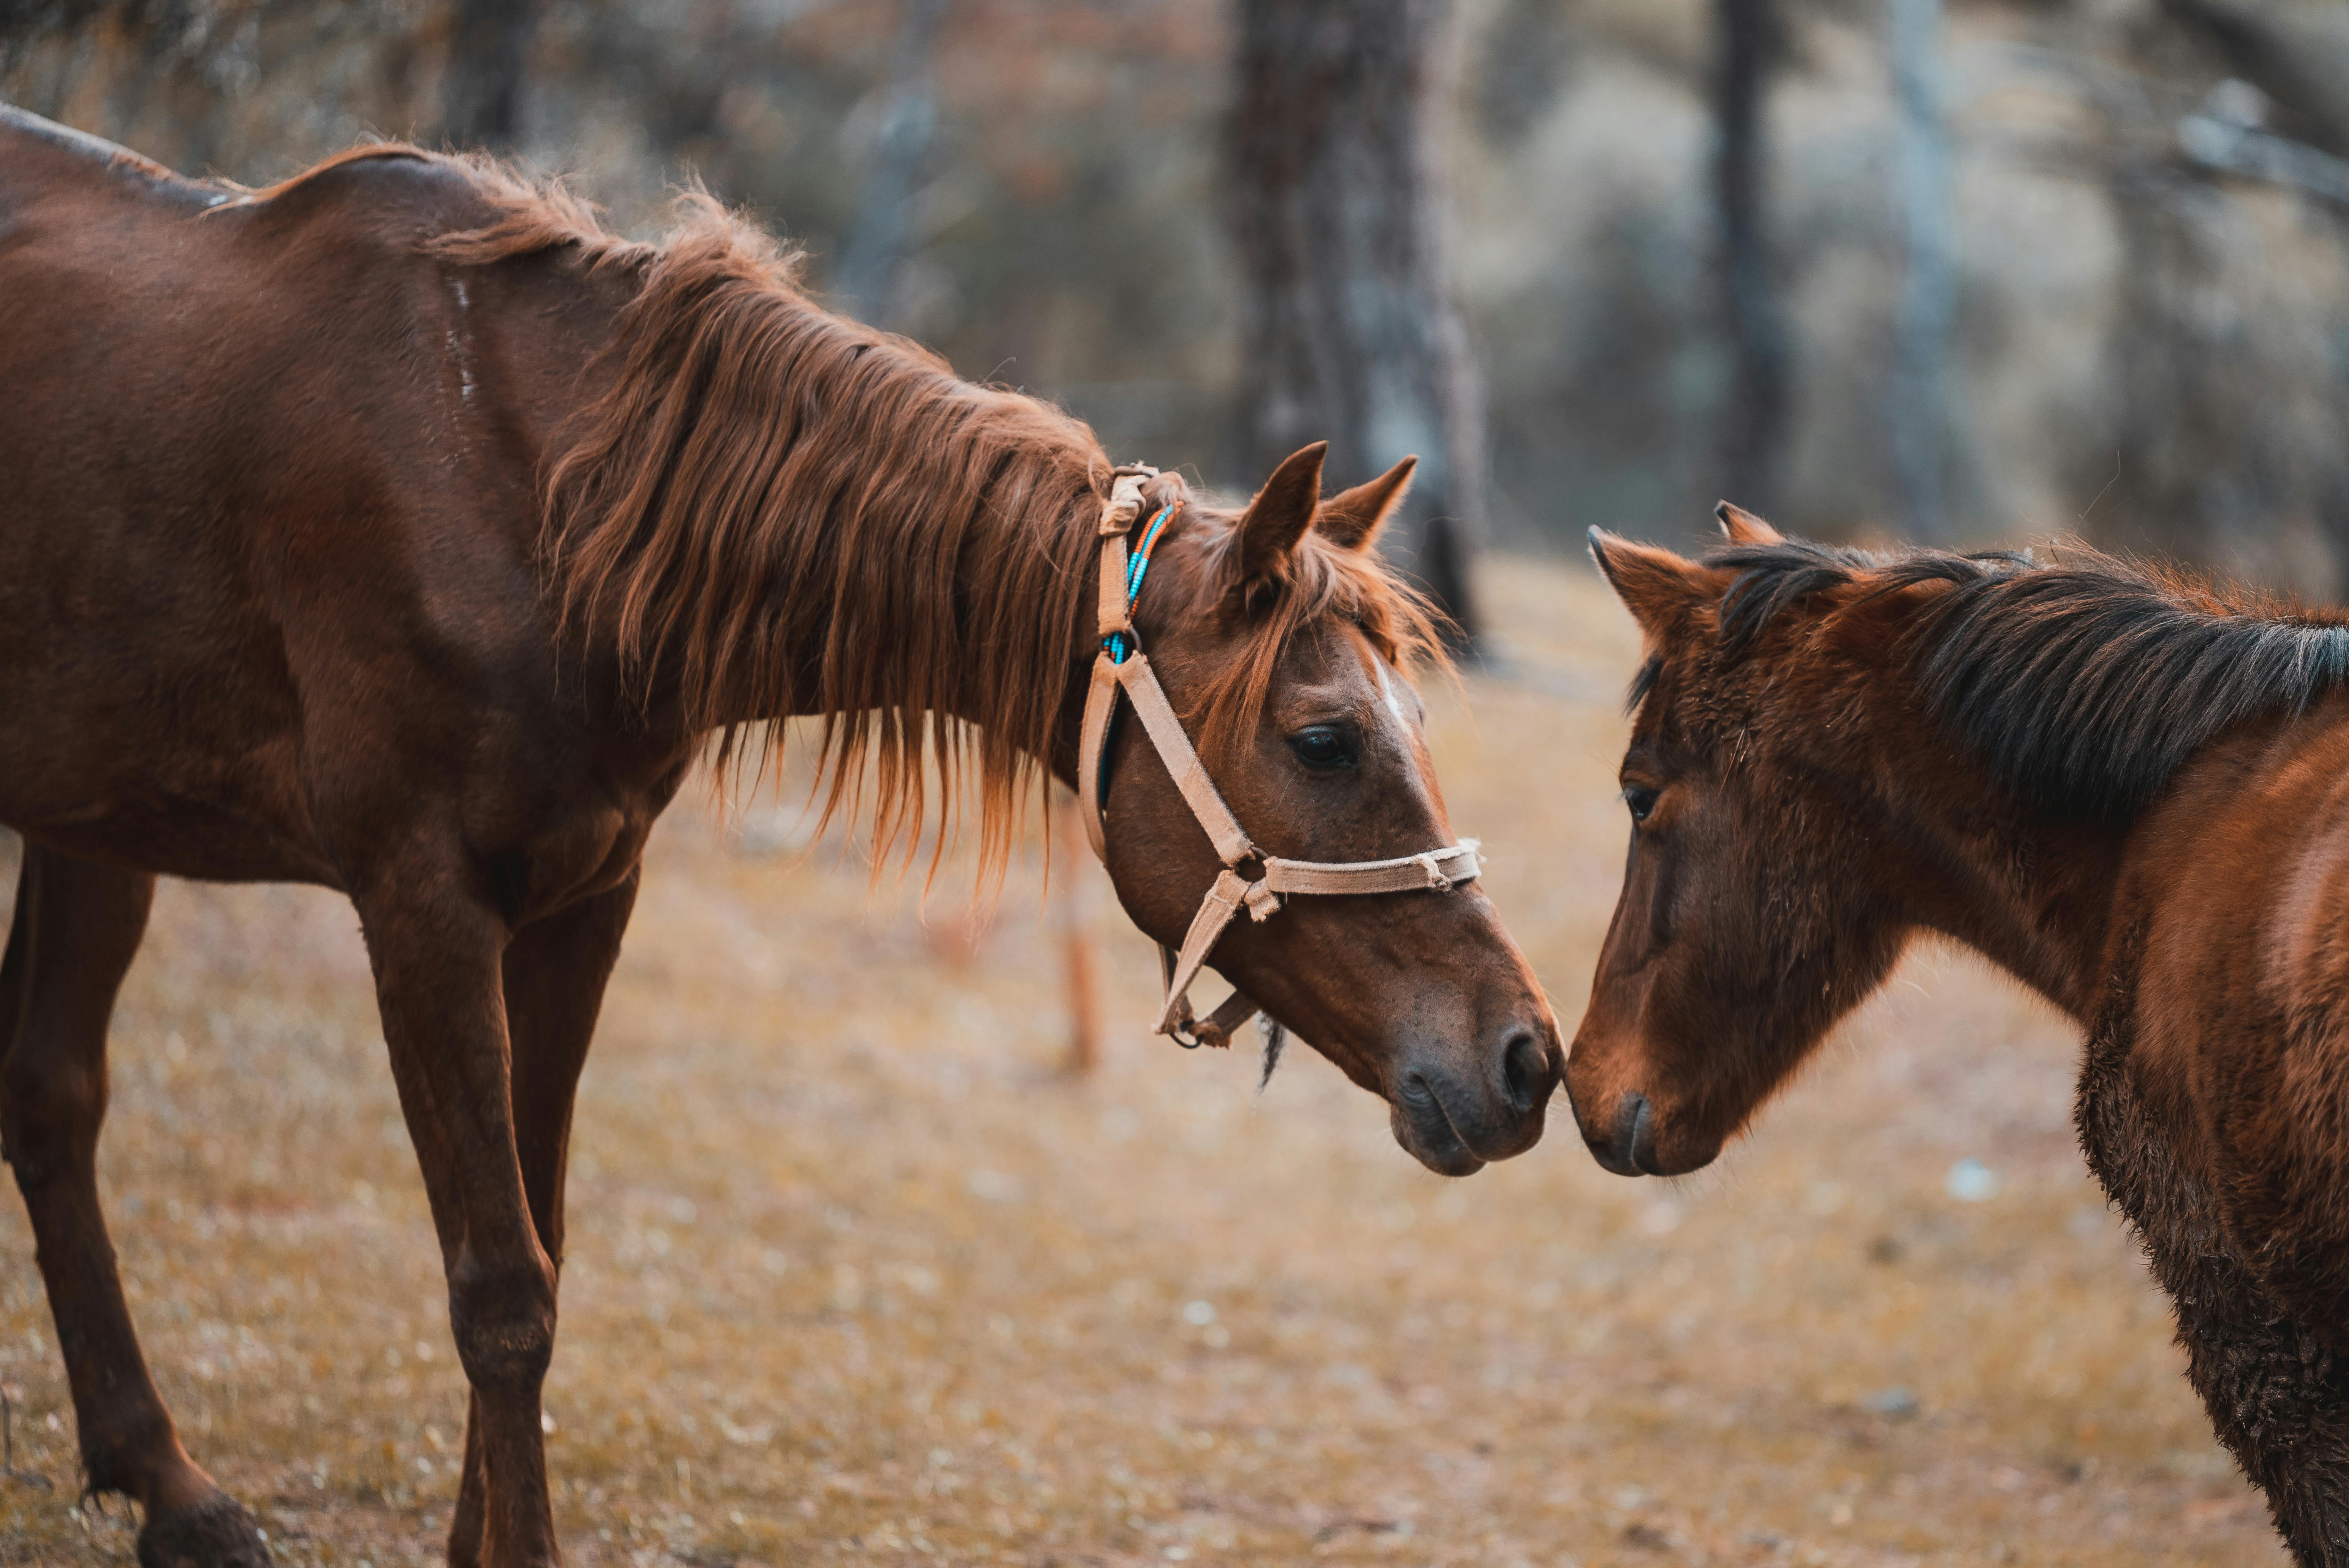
<point>1656,585</point>
<point>1352,517</point>
<point>1276,519</point>
<point>1742,527</point>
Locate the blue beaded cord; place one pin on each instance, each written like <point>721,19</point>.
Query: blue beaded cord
<point>1136,567</point>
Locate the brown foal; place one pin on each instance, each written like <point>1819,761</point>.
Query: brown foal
<point>2128,790</point>
<point>398,529</point>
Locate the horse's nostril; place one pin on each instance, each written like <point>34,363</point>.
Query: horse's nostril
<point>1525,1070</point>
<point>1631,1116</point>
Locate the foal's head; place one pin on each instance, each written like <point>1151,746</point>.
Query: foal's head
<point>1753,912</point>
<point>1833,748</point>
<point>1282,639</point>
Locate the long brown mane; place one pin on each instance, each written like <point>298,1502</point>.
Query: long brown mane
<point>773,509</point>
<point>937,537</point>
<point>2084,681</point>
<point>752,440</point>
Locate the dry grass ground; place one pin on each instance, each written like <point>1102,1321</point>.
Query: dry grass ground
<point>854,1277</point>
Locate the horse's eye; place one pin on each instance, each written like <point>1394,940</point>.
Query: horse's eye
<point>1640,799</point>
<point>1321,747</point>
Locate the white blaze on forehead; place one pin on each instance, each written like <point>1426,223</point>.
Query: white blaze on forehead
<point>1387,690</point>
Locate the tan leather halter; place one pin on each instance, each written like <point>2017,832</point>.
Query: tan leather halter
<point>1438,870</point>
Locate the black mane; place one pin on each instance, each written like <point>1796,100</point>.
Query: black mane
<point>2085,682</point>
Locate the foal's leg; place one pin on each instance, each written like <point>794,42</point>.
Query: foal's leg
<point>2277,1397</point>
<point>554,976</point>
<point>2278,1355</point>
<point>2277,1392</point>
<point>77,925</point>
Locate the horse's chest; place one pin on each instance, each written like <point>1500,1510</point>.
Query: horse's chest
<point>574,856</point>
<point>547,824</point>
<point>2138,1147</point>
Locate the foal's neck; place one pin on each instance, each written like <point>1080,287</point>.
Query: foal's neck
<point>2031,890</point>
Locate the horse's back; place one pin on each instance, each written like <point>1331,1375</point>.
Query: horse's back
<point>247,457</point>
<point>37,156</point>
<point>84,224</point>
<point>93,237</point>
<point>145,317</point>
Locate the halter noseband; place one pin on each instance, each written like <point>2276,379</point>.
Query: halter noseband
<point>1121,667</point>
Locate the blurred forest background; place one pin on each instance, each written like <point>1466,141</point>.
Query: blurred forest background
<point>1877,268</point>
<point>1966,271</point>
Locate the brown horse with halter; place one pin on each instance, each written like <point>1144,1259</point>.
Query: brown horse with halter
<point>399,530</point>
<point>2128,790</point>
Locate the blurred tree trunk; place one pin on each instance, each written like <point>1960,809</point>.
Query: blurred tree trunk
<point>489,58</point>
<point>2228,444</point>
<point>877,238</point>
<point>1921,404</point>
<point>1352,334</point>
<point>1754,414</point>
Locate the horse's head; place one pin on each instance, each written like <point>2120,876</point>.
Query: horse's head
<point>1282,639</point>
<point>1752,914</point>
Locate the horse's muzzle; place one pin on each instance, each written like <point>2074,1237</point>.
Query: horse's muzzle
<point>1457,1124</point>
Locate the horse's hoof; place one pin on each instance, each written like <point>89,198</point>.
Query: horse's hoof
<point>214,1533</point>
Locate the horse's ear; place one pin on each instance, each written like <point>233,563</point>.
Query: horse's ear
<point>1742,527</point>
<point>1276,519</point>
<point>1656,585</point>
<point>1352,517</point>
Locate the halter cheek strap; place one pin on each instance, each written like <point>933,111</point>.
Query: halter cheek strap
<point>1121,670</point>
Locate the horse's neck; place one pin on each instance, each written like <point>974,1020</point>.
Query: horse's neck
<point>2031,892</point>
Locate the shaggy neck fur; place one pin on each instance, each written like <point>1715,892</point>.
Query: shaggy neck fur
<point>2085,683</point>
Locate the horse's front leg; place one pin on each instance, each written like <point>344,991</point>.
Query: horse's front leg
<point>555,973</point>
<point>438,950</point>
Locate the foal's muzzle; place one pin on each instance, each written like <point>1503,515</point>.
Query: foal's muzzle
<point>1639,1140</point>
<point>1628,1148</point>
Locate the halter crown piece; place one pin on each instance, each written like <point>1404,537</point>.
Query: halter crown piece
<point>1121,667</point>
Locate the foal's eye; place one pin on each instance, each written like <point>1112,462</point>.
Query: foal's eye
<point>1321,747</point>
<point>1640,799</point>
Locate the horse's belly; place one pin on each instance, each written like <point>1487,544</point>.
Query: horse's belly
<point>134,764</point>
<point>180,838</point>
<point>215,835</point>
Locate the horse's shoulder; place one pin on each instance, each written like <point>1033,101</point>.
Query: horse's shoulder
<point>2241,870</point>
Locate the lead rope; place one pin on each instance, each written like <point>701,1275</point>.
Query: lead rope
<point>1121,668</point>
